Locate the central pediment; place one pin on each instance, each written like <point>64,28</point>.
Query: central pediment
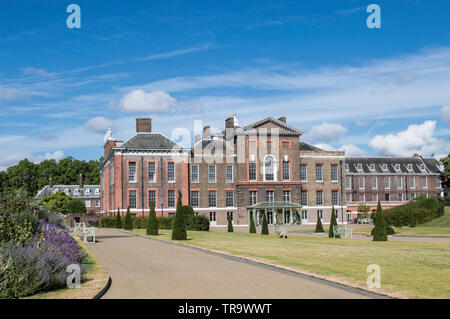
<point>270,126</point>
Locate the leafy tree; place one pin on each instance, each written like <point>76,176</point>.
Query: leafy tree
<point>333,222</point>
<point>76,206</point>
<point>230,224</point>
<point>58,202</point>
<point>118,219</point>
<point>319,227</point>
<point>446,162</point>
<point>379,231</point>
<point>179,225</point>
<point>364,209</point>
<point>252,224</point>
<point>33,177</point>
<point>152,223</point>
<point>128,223</point>
<point>265,226</point>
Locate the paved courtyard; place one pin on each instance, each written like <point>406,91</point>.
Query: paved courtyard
<point>145,268</point>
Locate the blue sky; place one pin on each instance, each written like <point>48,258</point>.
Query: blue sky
<point>368,91</point>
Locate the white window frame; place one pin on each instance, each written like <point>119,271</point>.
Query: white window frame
<point>226,198</point>
<point>424,185</point>
<point>210,180</point>
<point>321,172</point>
<point>376,183</point>
<point>274,168</point>
<point>349,184</point>
<point>363,186</point>
<point>413,184</point>
<point>132,179</point>
<point>337,173</point>
<point>388,184</point>
<point>168,179</point>
<point>197,198</point>
<point>270,196</point>
<point>153,180</point>
<point>321,198</point>
<point>399,185</point>
<point>306,172</point>
<point>249,171</point>
<point>198,174</point>
<point>226,173</point>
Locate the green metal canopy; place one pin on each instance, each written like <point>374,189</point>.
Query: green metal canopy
<point>269,205</point>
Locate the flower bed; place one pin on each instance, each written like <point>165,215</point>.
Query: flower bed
<point>35,250</point>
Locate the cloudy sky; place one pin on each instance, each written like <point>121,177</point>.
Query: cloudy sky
<point>369,91</point>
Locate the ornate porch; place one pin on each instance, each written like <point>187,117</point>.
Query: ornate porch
<point>277,213</point>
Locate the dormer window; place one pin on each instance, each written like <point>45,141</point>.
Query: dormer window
<point>67,192</point>
<point>97,192</point>
<point>359,167</point>
<point>384,167</point>
<point>56,190</point>
<point>88,191</point>
<point>397,167</point>
<point>409,167</point>
<point>372,167</point>
<point>76,192</point>
<point>422,167</point>
<point>346,167</point>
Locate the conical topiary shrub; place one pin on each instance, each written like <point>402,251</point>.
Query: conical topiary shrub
<point>252,224</point>
<point>118,219</point>
<point>230,224</point>
<point>333,222</point>
<point>319,227</point>
<point>379,231</point>
<point>128,223</point>
<point>179,224</point>
<point>152,223</point>
<point>265,227</point>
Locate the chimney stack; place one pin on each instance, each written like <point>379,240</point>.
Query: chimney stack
<point>282,119</point>
<point>143,125</point>
<point>81,181</point>
<point>416,155</point>
<point>206,131</point>
<point>50,184</point>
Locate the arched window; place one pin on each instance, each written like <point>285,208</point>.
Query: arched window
<point>269,168</point>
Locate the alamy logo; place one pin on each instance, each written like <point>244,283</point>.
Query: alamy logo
<point>374,279</point>
<point>374,20</point>
<point>74,278</point>
<point>74,20</point>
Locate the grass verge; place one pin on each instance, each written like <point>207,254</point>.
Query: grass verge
<point>420,270</point>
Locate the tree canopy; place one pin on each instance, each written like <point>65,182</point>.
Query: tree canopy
<point>32,177</point>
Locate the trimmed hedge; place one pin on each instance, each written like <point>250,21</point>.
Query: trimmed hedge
<point>196,222</point>
<point>422,210</point>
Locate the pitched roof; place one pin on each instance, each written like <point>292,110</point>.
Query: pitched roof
<point>150,141</point>
<point>285,128</point>
<point>307,147</point>
<point>87,191</point>
<point>431,165</point>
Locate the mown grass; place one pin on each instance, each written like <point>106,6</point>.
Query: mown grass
<point>437,227</point>
<point>419,270</point>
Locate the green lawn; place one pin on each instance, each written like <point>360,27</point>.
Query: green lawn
<point>415,269</point>
<point>437,227</point>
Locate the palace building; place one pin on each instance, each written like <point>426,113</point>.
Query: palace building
<point>238,172</point>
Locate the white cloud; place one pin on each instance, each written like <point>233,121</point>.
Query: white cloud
<point>415,139</point>
<point>12,159</point>
<point>327,132</point>
<point>143,102</point>
<point>325,147</point>
<point>445,110</point>
<point>40,72</point>
<point>8,94</point>
<point>352,150</point>
<point>98,125</point>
